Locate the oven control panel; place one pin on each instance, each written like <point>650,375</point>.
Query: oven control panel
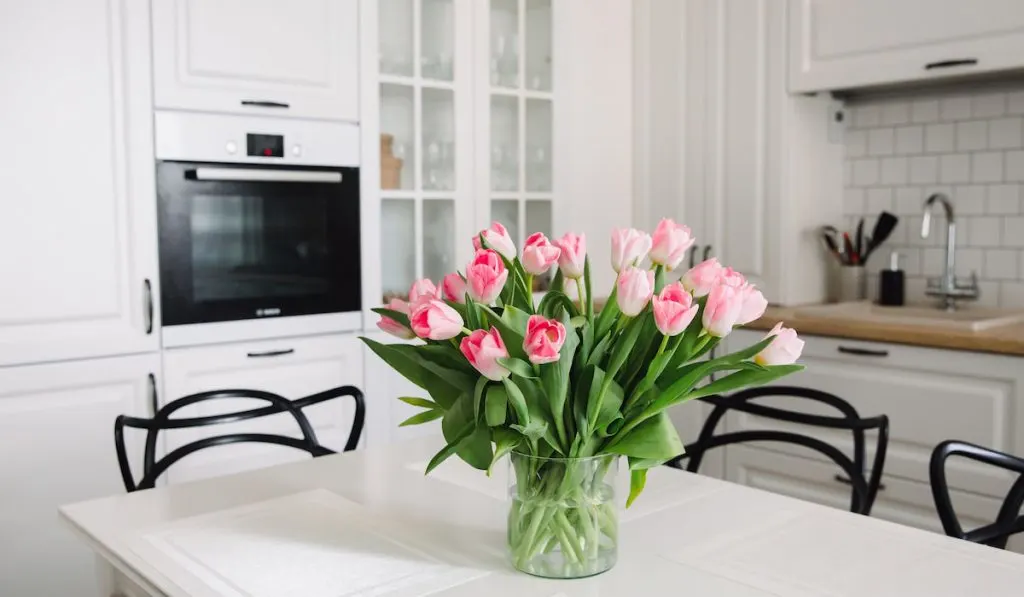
<point>267,146</point>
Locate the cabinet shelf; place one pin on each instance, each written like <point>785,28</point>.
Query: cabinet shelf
<point>416,82</point>
<point>527,93</point>
<point>413,195</point>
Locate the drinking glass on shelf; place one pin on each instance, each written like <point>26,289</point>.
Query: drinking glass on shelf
<point>434,164</point>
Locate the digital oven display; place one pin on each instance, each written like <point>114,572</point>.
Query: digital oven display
<point>266,146</point>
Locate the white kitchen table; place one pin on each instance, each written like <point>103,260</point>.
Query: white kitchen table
<point>370,523</point>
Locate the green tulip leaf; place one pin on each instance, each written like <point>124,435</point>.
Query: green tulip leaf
<point>505,441</point>
<point>423,417</point>
<point>450,448</point>
<point>496,407</point>
<point>420,402</point>
<point>518,367</point>
<point>654,438</point>
<point>637,481</point>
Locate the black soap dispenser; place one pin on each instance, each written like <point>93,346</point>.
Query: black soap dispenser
<point>891,283</point>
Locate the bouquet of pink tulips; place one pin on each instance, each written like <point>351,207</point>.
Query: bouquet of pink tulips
<point>557,380</point>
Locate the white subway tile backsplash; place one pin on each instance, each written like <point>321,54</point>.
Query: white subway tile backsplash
<point>1015,102</point>
<point>907,201</point>
<point>972,135</point>
<point>933,261</point>
<point>856,143</point>
<point>927,110</point>
<point>1004,199</point>
<point>895,171</point>
<point>924,170</point>
<point>1001,264</point>
<point>878,200</point>
<point>986,167</point>
<point>939,138</point>
<point>1011,293</point>
<point>986,105</point>
<point>966,143</point>
<point>1005,133</point>
<point>969,199</point>
<point>955,167</point>
<point>1015,166</point>
<point>985,231</point>
<point>954,108</point>
<point>881,141</point>
<point>1013,232</point>
<point>865,172</point>
<point>867,115</point>
<point>853,201</point>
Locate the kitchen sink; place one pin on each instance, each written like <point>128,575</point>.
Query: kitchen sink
<point>967,317</point>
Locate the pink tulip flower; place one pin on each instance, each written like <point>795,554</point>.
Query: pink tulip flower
<point>785,349</point>
<point>483,349</point>
<point>393,327</point>
<point>497,238</point>
<point>454,288</point>
<point>670,243</point>
<point>674,309</point>
<point>573,255</point>
<point>635,287</point>
<point>702,277</point>
<point>485,276</point>
<point>539,255</point>
<point>544,338</point>
<point>722,310</point>
<point>435,320</point>
<point>422,290</point>
<point>629,247</point>
<point>754,304</point>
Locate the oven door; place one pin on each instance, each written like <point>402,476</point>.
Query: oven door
<point>242,242</point>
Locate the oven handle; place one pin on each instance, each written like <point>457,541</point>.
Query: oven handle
<point>263,175</point>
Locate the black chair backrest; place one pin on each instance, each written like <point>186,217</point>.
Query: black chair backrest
<point>1009,520</point>
<point>162,421</point>
<point>863,489</point>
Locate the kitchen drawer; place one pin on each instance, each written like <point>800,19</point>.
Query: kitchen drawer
<point>292,368</point>
<point>929,396</point>
<point>901,501</point>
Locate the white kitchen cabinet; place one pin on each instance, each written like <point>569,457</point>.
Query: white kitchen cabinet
<point>929,395</point>
<point>298,58</point>
<point>78,231</point>
<point>291,367</point>
<point>843,44</point>
<point>56,435</point>
<point>723,148</point>
<point>475,111</point>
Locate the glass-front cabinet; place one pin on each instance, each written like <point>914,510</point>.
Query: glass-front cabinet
<point>466,97</point>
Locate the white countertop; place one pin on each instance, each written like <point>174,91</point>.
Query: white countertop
<point>369,522</point>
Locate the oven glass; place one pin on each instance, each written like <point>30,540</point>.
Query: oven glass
<point>242,249</point>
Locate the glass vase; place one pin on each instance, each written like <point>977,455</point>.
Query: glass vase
<point>563,521</point>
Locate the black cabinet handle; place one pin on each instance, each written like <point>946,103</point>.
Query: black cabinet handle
<point>270,353</point>
<point>147,292</point>
<point>154,397</point>
<point>265,104</point>
<point>845,481</point>
<point>863,352</point>
<point>707,252</point>
<point>951,63</point>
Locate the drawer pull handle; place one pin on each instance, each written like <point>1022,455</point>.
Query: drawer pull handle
<point>863,352</point>
<point>951,63</point>
<point>265,104</point>
<point>270,353</point>
<point>147,292</point>
<point>845,481</point>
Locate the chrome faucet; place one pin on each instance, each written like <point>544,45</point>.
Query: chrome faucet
<point>946,287</point>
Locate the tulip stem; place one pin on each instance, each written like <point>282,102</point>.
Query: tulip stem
<point>579,291</point>
<point>661,348</point>
<point>466,331</point>
<point>529,288</point>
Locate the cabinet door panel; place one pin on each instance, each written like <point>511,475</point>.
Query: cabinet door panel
<point>56,434</point>
<point>314,365</point>
<point>301,54</point>
<point>901,501</point>
<point>77,238</point>
<point>847,44</point>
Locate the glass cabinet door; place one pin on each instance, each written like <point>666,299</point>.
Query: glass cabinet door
<point>520,128</point>
<point>423,83</point>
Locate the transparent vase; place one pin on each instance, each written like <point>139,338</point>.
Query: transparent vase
<point>563,520</point>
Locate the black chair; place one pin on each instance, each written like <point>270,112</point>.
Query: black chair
<point>162,421</point>
<point>1009,520</point>
<point>863,489</point>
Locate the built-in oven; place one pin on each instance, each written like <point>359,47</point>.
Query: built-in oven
<point>258,227</point>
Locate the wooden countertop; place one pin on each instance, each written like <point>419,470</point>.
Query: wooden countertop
<point>1006,340</point>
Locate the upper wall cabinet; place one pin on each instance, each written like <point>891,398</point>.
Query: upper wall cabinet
<point>297,58</point>
<point>78,230</point>
<point>839,44</point>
